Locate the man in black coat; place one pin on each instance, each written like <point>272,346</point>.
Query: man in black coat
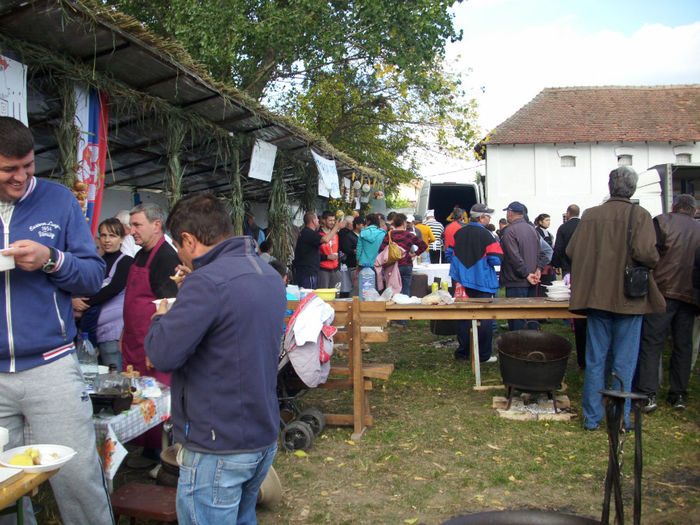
<point>560,260</point>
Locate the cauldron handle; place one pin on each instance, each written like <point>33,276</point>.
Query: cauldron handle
<point>536,353</point>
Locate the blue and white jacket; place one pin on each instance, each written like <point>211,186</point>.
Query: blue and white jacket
<point>38,325</point>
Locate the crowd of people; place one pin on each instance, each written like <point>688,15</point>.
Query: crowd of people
<point>233,289</point>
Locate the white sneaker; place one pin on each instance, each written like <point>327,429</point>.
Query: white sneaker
<point>491,359</point>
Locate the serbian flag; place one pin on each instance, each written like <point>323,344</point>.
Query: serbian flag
<point>91,118</point>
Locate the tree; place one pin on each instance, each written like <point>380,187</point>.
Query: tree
<point>366,74</point>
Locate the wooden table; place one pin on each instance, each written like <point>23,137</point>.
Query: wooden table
<point>474,309</point>
<point>24,486</point>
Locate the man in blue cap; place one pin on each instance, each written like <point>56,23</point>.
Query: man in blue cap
<point>523,258</point>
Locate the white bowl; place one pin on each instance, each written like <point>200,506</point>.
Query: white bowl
<point>52,457</point>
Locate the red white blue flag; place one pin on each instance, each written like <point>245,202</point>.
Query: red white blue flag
<point>91,118</point>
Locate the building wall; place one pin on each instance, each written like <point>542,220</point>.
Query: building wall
<point>533,174</point>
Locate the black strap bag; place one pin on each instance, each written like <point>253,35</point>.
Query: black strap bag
<point>636,278</point>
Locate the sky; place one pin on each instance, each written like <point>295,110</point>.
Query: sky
<point>512,49</point>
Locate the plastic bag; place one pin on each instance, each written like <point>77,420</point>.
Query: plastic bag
<point>438,297</point>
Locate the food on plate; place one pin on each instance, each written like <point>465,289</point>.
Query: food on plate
<point>27,458</point>
<point>31,457</point>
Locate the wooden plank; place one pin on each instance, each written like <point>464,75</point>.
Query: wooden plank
<point>375,337</point>
<point>371,370</point>
<point>22,487</point>
<point>346,420</point>
<point>333,383</point>
<point>355,363</point>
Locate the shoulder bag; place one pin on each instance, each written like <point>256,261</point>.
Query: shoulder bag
<point>636,278</point>
<point>394,254</point>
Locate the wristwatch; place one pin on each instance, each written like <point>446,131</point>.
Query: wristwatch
<point>50,265</point>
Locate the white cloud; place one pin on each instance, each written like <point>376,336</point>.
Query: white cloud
<point>511,67</point>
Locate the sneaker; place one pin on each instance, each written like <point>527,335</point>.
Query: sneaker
<point>680,403</point>
<point>491,359</point>
<point>651,404</point>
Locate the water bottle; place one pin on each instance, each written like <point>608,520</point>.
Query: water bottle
<point>87,357</point>
<point>367,282</point>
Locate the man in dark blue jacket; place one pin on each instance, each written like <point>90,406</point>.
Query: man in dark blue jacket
<point>53,256</point>
<point>221,341</point>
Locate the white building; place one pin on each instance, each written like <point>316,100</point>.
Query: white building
<point>560,147</point>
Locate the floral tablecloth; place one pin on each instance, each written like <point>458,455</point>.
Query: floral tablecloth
<point>111,431</point>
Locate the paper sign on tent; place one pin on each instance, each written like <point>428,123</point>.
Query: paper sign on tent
<point>13,89</point>
<point>328,177</point>
<point>262,161</point>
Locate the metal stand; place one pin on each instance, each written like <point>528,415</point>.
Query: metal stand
<point>614,401</point>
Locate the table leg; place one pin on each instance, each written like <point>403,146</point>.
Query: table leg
<point>476,365</point>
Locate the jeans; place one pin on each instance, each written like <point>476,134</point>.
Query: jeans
<point>110,354</point>
<point>435,256</point>
<point>221,488</point>
<point>308,281</point>
<point>485,332</point>
<point>679,316</point>
<point>53,399</point>
<point>524,291</point>
<point>612,346</point>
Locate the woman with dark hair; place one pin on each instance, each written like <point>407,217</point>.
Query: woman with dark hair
<point>542,222</point>
<point>407,241</point>
<point>107,305</point>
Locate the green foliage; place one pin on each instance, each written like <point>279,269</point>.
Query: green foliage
<point>366,74</point>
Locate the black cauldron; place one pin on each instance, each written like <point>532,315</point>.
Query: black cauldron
<point>532,361</point>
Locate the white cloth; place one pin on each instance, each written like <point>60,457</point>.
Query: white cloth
<point>129,246</point>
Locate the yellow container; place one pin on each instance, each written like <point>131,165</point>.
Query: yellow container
<point>327,294</point>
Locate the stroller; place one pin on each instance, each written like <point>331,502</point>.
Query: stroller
<point>304,363</point>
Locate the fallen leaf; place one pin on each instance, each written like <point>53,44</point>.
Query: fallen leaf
<point>341,464</point>
<point>410,520</point>
<point>404,445</point>
<point>492,446</point>
<point>418,478</point>
<point>300,453</point>
<point>324,493</point>
<point>511,478</point>
<point>296,475</point>
<point>451,440</point>
<point>328,459</point>
<point>357,485</point>
<point>427,452</point>
<point>458,453</point>
<point>439,466</point>
<point>349,441</point>
<point>479,497</point>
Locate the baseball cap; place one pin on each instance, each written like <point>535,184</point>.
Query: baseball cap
<point>516,207</point>
<point>430,213</point>
<point>418,217</point>
<point>480,209</point>
<point>410,218</point>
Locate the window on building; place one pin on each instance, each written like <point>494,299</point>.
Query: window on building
<point>624,160</point>
<point>683,158</point>
<point>568,161</point>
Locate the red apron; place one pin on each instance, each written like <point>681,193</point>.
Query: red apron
<point>138,310</point>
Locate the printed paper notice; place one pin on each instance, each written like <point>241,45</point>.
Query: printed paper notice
<point>13,89</point>
<point>262,161</point>
<point>327,177</point>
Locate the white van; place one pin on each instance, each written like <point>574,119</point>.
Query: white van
<point>443,196</point>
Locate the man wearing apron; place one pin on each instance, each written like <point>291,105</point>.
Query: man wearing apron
<point>148,280</point>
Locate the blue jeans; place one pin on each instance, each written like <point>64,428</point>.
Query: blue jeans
<point>524,291</point>
<point>612,346</point>
<point>484,330</point>
<point>221,488</point>
<point>110,354</point>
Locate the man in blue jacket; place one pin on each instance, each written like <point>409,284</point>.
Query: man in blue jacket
<point>472,264</point>
<point>45,232</point>
<point>221,341</point>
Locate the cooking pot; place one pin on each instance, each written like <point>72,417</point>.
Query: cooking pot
<point>532,361</point>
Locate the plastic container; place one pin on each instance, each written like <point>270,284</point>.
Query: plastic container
<point>367,282</point>
<point>87,357</point>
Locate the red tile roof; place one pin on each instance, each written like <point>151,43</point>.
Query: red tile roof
<point>605,114</point>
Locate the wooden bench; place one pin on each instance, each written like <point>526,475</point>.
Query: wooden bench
<point>350,319</point>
